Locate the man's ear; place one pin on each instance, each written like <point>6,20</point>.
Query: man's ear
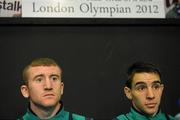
<point>162,87</point>
<point>25,91</point>
<point>127,91</point>
<point>62,88</point>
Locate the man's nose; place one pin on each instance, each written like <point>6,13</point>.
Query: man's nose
<point>150,93</point>
<point>48,84</point>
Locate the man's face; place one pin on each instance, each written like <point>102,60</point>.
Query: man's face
<point>44,86</point>
<point>146,92</point>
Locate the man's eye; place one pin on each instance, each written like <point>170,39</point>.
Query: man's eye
<point>156,86</point>
<point>38,80</point>
<point>141,88</point>
<point>54,78</point>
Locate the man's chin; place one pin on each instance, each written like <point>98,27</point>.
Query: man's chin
<point>151,112</point>
<point>49,104</point>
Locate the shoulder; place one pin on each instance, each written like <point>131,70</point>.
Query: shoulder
<point>177,116</point>
<point>171,117</point>
<point>80,117</point>
<point>167,116</point>
<point>77,117</point>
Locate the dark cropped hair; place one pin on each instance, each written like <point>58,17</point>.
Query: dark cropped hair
<point>140,67</point>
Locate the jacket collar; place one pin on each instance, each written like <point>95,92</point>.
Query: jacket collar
<point>59,114</point>
<point>138,114</point>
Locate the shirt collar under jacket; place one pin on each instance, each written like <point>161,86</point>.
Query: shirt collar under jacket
<point>141,116</point>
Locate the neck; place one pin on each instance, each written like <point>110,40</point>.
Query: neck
<point>45,112</point>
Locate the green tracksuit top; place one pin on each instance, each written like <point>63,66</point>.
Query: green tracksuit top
<point>135,115</point>
<point>61,115</point>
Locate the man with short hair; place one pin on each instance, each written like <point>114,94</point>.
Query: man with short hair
<point>43,87</point>
<point>144,88</point>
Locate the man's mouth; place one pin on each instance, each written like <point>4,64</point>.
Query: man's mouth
<point>151,105</point>
<point>49,95</point>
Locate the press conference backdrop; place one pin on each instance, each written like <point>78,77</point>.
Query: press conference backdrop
<point>94,61</point>
<point>90,9</point>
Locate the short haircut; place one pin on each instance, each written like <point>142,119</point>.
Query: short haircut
<point>38,62</point>
<point>140,67</point>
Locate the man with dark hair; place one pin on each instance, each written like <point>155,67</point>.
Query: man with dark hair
<point>144,88</point>
<point>43,87</point>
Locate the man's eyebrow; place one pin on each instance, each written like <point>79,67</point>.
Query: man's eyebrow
<point>40,75</point>
<point>157,81</point>
<point>143,83</point>
<point>55,75</point>
<point>139,83</point>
